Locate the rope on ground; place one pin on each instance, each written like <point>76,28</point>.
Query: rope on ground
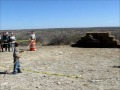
<point>50,73</point>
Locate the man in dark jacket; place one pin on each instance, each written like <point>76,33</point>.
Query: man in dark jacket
<point>5,41</point>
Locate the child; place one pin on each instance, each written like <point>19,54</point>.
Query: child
<point>16,57</point>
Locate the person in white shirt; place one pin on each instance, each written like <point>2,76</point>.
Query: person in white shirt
<point>13,40</point>
<point>32,41</point>
<point>32,36</point>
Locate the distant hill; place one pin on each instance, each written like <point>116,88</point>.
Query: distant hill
<point>60,36</point>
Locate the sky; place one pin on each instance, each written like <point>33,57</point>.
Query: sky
<point>38,14</point>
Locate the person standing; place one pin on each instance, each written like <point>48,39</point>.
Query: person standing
<point>4,41</point>
<point>9,43</point>
<point>16,57</point>
<point>12,41</point>
<point>0,43</point>
<point>33,41</point>
<point>32,36</point>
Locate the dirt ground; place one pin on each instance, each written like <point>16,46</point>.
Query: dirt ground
<point>63,68</point>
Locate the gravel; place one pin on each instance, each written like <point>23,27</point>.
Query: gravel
<point>63,68</point>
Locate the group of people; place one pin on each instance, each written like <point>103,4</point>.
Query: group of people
<point>7,41</point>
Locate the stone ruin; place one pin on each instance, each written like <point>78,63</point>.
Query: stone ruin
<point>97,40</point>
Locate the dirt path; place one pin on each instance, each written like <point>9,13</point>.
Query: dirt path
<point>63,68</point>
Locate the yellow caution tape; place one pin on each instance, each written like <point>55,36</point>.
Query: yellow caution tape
<point>48,73</point>
<point>55,74</point>
<point>22,40</point>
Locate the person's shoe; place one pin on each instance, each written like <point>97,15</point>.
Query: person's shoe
<point>14,73</point>
<point>20,71</point>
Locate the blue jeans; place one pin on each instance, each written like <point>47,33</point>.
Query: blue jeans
<point>16,67</point>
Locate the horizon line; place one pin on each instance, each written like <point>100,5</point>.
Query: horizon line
<point>63,28</point>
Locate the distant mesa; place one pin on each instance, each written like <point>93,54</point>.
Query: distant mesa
<point>97,40</point>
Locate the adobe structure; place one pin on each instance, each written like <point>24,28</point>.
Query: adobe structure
<point>97,40</point>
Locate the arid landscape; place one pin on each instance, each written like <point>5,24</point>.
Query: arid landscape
<point>63,68</point>
<point>61,44</point>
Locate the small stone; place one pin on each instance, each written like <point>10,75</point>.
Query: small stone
<point>33,80</point>
<point>37,87</point>
<point>60,53</point>
<point>58,83</point>
<point>76,66</point>
<point>44,76</point>
<point>41,84</point>
<point>117,79</point>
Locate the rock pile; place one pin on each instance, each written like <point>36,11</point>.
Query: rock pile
<point>97,40</point>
